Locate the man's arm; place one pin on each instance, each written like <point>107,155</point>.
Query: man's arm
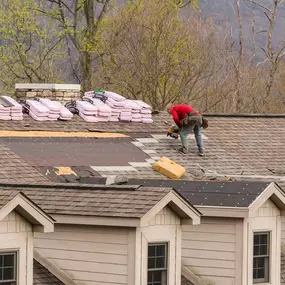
<point>175,117</point>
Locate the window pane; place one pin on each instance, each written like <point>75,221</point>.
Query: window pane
<point>8,260</point>
<point>263,250</point>
<point>263,239</point>
<point>8,273</point>
<point>256,250</point>
<point>157,276</point>
<point>159,262</point>
<point>160,250</point>
<point>260,273</point>
<point>151,262</point>
<point>151,250</point>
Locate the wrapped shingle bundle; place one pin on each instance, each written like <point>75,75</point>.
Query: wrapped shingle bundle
<point>57,110</point>
<point>5,113</point>
<point>11,109</point>
<point>87,111</point>
<point>104,111</point>
<point>38,111</point>
<point>145,112</point>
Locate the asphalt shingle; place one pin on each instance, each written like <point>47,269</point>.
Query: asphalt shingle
<point>13,168</point>
<point>87,200</point>
<point>44,277</point>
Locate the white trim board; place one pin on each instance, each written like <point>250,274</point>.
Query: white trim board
<point>39,219</point>
<point>48,86</point>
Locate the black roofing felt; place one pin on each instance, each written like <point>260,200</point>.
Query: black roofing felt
<point>227,194</point>
<point>75,151</point>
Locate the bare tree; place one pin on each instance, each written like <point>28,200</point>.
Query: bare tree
<point>274,57</point>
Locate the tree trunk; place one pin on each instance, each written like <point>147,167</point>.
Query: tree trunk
<point>86,65</point>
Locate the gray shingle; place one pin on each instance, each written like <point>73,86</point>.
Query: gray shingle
<point>87,200</point>
<point>44,277</point>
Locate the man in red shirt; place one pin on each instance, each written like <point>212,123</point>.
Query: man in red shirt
<point>188,119</point>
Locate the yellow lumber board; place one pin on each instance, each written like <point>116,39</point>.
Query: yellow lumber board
<point>59,134</point>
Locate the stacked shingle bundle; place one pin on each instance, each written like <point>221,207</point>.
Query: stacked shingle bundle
<point>104,111</point>
<point>37,110</point>
<point>120,109</point>
<point>56,110</point>
<point>87,111</point>
<point>42,109</point>
<point>145,112</point>
<point>116,102</point>
<point>10,109</point>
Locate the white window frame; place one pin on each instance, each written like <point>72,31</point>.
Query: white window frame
<point>15,255</point>
<point>159,234</point>
<point>268,256</point>
<point>166,262</point>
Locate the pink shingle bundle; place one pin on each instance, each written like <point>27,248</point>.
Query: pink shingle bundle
<point>10,109</point>
<point>38,111</point>
<point>57,110</point>
<point>118,107</point>
<point>87,111</point>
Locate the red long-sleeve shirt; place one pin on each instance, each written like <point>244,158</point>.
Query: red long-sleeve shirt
<point>178,112</point>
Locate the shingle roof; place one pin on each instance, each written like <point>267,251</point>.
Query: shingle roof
<point>44,277</point>
<point>13,168</point>
<point>246,145</point>
<point>185,281</point>
<point>87,200</point>
<point>212,193</point>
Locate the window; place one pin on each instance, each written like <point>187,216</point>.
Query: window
<point>261,254</point>
<point>157,264</point>
<point>8,268</point>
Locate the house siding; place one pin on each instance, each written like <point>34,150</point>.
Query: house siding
<point>266,218</point>
<point>16,235</point>
<point>209,249</point>
<point>164,227</point>
<point>89,255</point>
<point>165,217</point>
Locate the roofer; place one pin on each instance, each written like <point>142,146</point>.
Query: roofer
<point>188,119</point>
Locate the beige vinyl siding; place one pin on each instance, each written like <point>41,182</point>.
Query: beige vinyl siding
<point>268,209</point>
<point>89,255</point>
<point>16,235</point>
<point>209,249</point>
<point>165,217</point>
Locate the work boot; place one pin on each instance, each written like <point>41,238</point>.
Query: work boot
<point>201,152</point>
<point>183,150</point>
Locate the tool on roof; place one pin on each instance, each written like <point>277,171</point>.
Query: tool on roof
<point>173,132</point>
